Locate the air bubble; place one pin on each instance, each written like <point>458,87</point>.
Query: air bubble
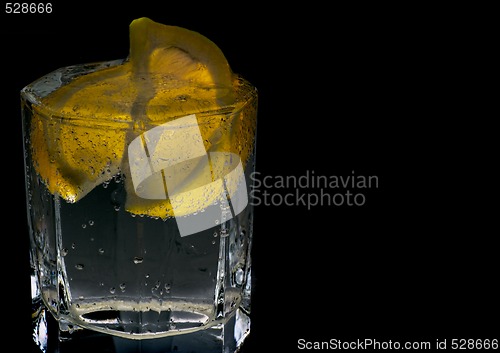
<point>239,276</point>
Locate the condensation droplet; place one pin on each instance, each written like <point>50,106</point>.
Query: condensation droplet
<point>91,223</point>
<point>112,290</point>
<point>238,276</point>
<point>84,226</point>
<point>138,260</point>
<point>79,266</point>
<point>100,251</point>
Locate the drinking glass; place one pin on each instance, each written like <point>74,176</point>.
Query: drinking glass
<point>140,231</point>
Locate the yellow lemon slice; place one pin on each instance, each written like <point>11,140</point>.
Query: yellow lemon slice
<point>185,73</point>
<point>77,136</point>
<point>81,133</point>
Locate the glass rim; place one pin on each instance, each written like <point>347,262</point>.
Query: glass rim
<point>33,94</point>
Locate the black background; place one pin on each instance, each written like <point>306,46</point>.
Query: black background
<point>378,90</point>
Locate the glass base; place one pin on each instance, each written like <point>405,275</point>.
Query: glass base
<point>51,336</point>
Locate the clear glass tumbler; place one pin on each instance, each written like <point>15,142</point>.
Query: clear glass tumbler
<point>140,229</point>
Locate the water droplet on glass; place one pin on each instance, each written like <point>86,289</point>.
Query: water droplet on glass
<point>122,287</point>
<point>213,242</point>
<point>91,223</point>
<point>138,260</point>
<point>73,246</point>
<point>79,266</point>
<point>216,221</point>
<point>146,275</point>
<point>101,251</point>
<point>167,288</point>
<point>215,234</point>
<point>112,290</point>
<point>238,276</point>
<point>117,207</point>
<point>64,252</point>
<point>84,226</point>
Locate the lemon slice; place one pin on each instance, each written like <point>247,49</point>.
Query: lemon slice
<point>181,72</point>
<point>78,137</point>
<point>80,132</point>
